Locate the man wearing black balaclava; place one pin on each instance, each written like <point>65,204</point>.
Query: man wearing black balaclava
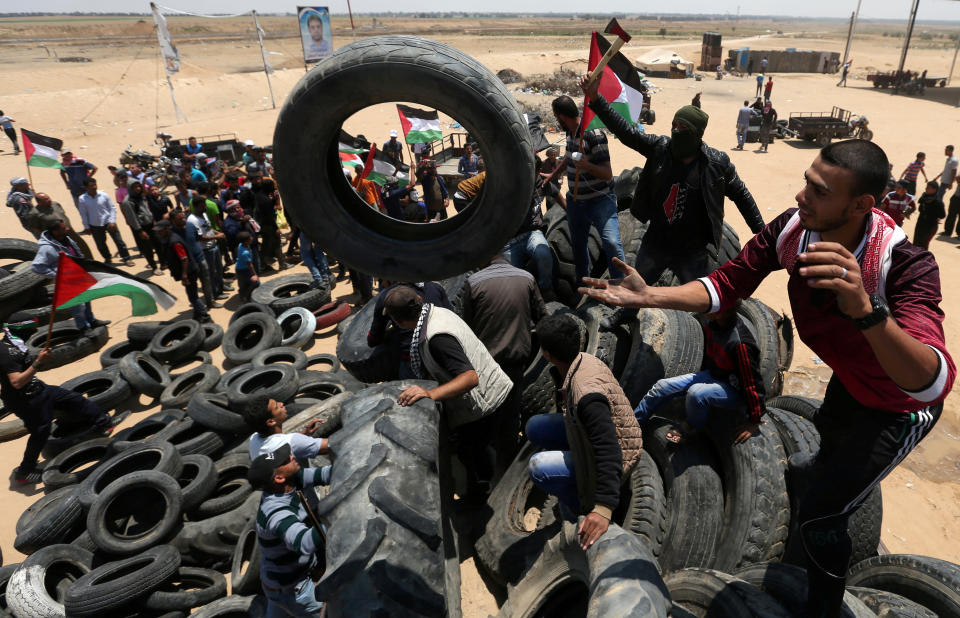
<point>680,193</point>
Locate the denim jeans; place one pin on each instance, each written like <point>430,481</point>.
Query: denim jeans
<point>83,316</point>
<point>601,212</point>
<point>299,601</point>
<point>552,470</point>
<point>741,134</point>
<point>534,245</point>
<point>314,259</point>
<point>703,392</point>
<point>38,412</point>
<point>942,190</point>
<point>215,269</point>
<point>193,295</point>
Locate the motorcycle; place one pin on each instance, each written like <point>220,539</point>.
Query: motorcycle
<point>858,128</point>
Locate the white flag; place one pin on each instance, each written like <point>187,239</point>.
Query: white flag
<point>263,50</point>
<point>171,57</point>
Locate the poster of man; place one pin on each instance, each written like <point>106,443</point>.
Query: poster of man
<point>315,32</point>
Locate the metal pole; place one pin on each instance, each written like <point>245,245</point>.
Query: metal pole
<point>352,28</point>
<point>846,50</point>
<point>263,56</point>
<point>906,43</point>
<point>953,64</point>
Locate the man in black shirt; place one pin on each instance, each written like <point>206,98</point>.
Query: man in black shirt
<point>380,332</point>
<point>33,402</point>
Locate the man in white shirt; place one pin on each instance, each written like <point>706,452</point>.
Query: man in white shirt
<point>99,216</point>
<point>949,173</point>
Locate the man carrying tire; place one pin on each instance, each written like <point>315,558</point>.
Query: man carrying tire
<point>680,193</point>
<point>594,443</point>
<point>288,546</point>
<point>177,257</point>
<point>864,300</point>
<point>472,386</point>
<point>33,402</point>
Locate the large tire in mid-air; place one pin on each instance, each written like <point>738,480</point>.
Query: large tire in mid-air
<point>423,72</point>
<point>387,549</point>
<point>933,583</point>
<point>366,364</point>
<point>666,343</point>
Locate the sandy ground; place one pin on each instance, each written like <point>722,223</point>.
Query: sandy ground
<point>119,99</point>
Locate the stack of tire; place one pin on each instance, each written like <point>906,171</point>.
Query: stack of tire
<point>147,521</point>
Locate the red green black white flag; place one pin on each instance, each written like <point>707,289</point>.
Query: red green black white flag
<point>619,85</point>
<point>76,285</point>
<point>420,126</point>
<point>40,150</point>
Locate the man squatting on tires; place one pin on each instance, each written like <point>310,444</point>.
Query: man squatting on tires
<point>287,545</point>
<point>594,443</point>
<point>866,301</point>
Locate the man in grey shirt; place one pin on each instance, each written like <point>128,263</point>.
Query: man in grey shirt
<point>743,123</point>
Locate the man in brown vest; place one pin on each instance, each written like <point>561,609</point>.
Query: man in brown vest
<point>593,444</point>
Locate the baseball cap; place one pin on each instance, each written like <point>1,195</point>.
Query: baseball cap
<point>262,468</point>
<point>249,142</point>
<point>18,180</point>
<point>393,132</point>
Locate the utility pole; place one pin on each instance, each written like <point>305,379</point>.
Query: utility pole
<point>906,43</point>
<point>954,63</point>
<point>853,24</point>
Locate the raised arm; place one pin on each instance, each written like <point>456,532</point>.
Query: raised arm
<point>625,132</point>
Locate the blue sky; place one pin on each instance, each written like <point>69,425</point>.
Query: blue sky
<point>876,9</point>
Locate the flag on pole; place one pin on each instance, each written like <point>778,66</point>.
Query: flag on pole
<point>419,125</point>
<point>40,150</point>
<point>378,168</point>
<point>171,57</point>
<point>76,285</point>
<point>351,158</point>
<point>619,85</point>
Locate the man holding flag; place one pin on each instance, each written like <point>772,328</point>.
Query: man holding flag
<point>681,189</point>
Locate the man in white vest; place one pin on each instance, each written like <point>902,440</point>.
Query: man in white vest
<point>472,386</point>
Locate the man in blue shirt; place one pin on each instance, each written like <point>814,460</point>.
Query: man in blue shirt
<point>99,217</point>
<point>74,172</point>
<point>191,150</point>
<point>468,163</point>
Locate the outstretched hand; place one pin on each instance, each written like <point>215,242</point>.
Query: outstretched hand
<point>629,291</point>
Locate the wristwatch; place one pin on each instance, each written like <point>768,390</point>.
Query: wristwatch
<point>879,313</point>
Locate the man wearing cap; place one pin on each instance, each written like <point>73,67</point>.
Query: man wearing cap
<point>472,386</point>
<point>680,193</point>
<point>74,171</point>
<point>288,546</point>
<point>248,152</point>
<point>394,149</point>
<point>20,199</point>
<point>183,267</point>
<point>99,217</point>
<point>139,217</point>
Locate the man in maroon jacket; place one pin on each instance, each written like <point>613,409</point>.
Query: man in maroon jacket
<point>866,301</point>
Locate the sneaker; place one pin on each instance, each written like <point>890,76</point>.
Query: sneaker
<point>128,262</point>
<point>157,272</point>
<point>26,478</point>
<point>216,305</point>
<point>96,323</point>
<point>222,296</point>
<point>227,287</point>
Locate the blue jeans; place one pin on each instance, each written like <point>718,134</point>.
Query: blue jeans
<point>299,601</point>
<point>215,267</point>
<point>552,470</point>
<point>703,392</point>
<point>942,190</point>
<point>532,244</point>
<point>601,212</point>
<point>314,259</point>
<point>82,316</point>
<point>741,134</point>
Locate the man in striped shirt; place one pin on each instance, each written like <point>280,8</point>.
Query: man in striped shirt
<point>288,546</point>
<point>589,176</point>
<point>913,170</point>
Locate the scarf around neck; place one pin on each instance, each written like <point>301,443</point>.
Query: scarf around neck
<point>416,363</point>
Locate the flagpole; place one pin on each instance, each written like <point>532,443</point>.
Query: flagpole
<point>53,301</point>
<point>263,54</point>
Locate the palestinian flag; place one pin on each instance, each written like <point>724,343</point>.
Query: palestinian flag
<point>40,150</point>
<point>352,159</point>
<point>378,167</point>
<point>76,285</point>
<point>419,125</point>
<point>619,85</point>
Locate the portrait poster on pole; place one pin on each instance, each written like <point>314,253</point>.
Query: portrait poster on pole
<point>315,32</point>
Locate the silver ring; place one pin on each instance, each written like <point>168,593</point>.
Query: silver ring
<point>844,275</point>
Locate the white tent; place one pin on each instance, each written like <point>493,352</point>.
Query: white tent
<point>663,61</point>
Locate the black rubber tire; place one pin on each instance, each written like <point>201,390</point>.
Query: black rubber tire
<point>245,569</point>
<point>705,592</point>
<point>325,360</point>
<point>148,497</point>
<point>768,338</point>
<point>197,479</point>
<point>67,344</point>
<point>666,343</point>
<point>16,289</point>
<point>11,427</point>
<point>122,582</point>
<point>178,393</point>
<point>565,278</point>
<point>103,388</point>
<point>322,385</point>
<point>616,576</point>
<point>366,364</point>
<point>155,455</point>
<point>230,376</point>
<point>54,518</point>
<point>115,353</point>
<point>289,291</point>
<point>249,335</point>
<point>624,186</point>
<point>64,469</point>
<point>643,505</point>
<point>297,326</point>
<point>176,341</point>
<point>17,249</point>
<point>248,308</point>
<point>189,587</point>
<point>144,429</point>
<point>212,336</point>
<point>144,373</point>
<point>281,355</point>
<point>234,607</point>
<point>327,411</point>
<point>788,585</point>
<point>806,407</point>
<point>385,544</point>
<point>40,315</point>
<point>142,333</point>
<point>191,438</point>
<point>279,382</point>
<point>888,605</point>
<point>52,568</point>
<point>757,508</point>
<point>425,72</point>
<point>5,572</point>
<point>213,411</point>
<point>212,541</point>
<point>694,494</point>
<point>232,487</point>
<point>933,583</point>
<point>172,368</point>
